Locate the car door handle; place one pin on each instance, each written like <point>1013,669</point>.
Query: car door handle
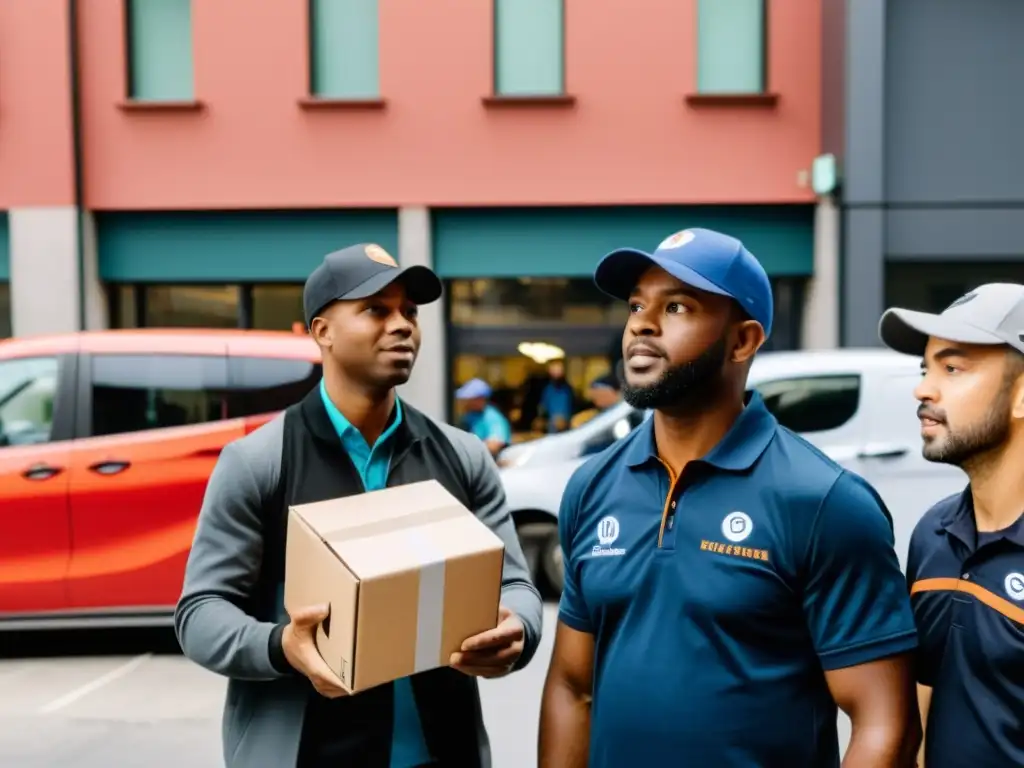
<point>109,467</point>
<point>882,451</point>
<point>41,472</point>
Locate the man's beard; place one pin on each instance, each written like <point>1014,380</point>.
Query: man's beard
<point>959,447</point>
<point>684,387</point>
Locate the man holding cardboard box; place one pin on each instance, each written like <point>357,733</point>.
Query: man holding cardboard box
<point>397,537</point>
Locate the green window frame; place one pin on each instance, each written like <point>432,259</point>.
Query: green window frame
<point>529,47</point>
<point>732,46</point>
<point>159,46</point>
<point>344,49</point>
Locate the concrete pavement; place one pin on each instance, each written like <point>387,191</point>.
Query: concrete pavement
<point>130,700</point>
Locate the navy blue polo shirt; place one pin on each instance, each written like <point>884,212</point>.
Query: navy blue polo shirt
<point>718,598</point>
<point>967,590</point>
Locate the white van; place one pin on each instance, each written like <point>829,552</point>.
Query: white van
<point>856,405</point>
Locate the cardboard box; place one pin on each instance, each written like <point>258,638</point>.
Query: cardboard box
<point>409,574</point>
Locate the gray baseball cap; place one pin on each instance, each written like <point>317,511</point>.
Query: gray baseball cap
<point>990,314</point>
<point>360,271</point>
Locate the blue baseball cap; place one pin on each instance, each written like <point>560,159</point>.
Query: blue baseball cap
<point>701,258</point>
<point>473,388</point>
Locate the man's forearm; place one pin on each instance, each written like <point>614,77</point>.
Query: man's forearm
<point>564,728</point>
<point>882,746</point>
<point>222,638</point>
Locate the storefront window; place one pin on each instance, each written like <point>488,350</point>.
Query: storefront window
<point>191,306</point>
<point>518,382</point>
<point>277,307</point>
<point>506,331</point>
<point>5,310</point>
<point>529,300</point>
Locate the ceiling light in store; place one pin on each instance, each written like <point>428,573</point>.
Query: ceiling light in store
<point>541,352</point>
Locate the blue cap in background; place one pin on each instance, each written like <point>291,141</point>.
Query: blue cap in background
<point>701,258</point>
<point>473,388</point>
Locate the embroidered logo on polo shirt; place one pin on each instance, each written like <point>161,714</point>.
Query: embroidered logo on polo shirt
<point>607,534</point>
<point>1014,586</point>
<point>736,527</point>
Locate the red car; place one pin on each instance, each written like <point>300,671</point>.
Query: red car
<point>107,440</point>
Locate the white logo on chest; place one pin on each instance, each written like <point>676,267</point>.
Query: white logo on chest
<point>1014,586</point>
<point>607,534</point>
<point>737,526</point>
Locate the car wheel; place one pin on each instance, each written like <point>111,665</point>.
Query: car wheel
<point>551,562</point>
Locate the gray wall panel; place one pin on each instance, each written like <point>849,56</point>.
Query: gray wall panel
<point>934,234</point>
<point>954,101</point>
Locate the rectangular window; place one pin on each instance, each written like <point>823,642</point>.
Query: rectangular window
<point>277,307</point>
<point>28,391</point>
<point>344,59</point>
<point>132,393</point>
<point>5,310</point>
<point>731,46</point>
<point>191,306</point>
<point>262,385</point>
<point>160,50</point>
<point>528,47</point>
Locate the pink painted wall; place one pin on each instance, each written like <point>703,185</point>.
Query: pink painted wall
<point>35,104</point>
<point>630,138</point>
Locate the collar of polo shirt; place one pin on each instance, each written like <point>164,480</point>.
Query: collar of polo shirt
<point>742,445</point>
<point>959,521</point>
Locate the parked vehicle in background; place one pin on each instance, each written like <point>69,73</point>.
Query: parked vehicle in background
<point>856,405</point>
<point>107,440</point>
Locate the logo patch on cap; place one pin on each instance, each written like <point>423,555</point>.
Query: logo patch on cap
<point>379,255</point>
<point>962,300</point>
<point>678,240</point>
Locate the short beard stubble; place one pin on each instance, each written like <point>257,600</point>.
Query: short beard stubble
<point>960,447</point>
<point>686,387</point>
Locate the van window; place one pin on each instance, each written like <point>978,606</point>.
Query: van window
<point>262,385</point>
<point>28,388</point>
<point>131,393</point>
<point>612,433</point>
<point>812,403</point>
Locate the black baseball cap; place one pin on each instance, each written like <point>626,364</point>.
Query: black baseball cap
<point>360,271</point>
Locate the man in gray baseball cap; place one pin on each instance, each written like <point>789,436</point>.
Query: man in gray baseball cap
<point>965,567</point>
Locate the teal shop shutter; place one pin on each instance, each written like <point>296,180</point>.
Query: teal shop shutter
<point>568,242</point>
<point>344,49</point>
<point>232,246</point>
<point>5,248</point>
<point>731,46</point>
<point>528,42</point>
<point>160,50</point>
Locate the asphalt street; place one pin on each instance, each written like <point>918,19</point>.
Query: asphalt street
<point>130,700</point>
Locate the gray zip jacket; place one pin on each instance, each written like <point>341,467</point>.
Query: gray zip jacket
<point>265,707</point>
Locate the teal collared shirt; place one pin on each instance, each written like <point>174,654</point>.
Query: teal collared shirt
<point>409,746</point>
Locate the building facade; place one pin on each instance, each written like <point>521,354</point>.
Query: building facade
<point>188,162</point>
<point>922,104</point>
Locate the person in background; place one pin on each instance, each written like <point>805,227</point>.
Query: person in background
<point>482,418</point>
<point>557,398</point>
<point>603,393</point>
<point>965,566</point>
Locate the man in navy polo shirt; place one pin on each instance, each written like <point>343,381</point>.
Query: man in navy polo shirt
<point>966,561</point>
<point>726,585</point>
